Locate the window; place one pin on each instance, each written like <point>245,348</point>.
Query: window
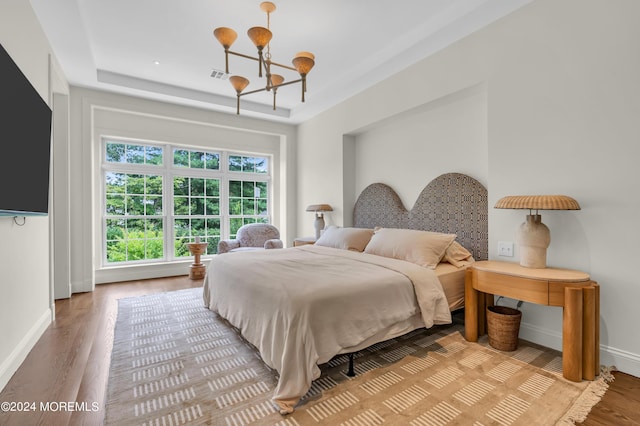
<point>158,198</point>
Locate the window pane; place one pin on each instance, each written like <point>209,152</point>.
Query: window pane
<point>154,155</point>
<point>115,204</point>
<point>197,160</point>
<point>154,248</point>
<point>116,251</point>
<point>261,188</point>
<point>197,206</point>
<point>115,229</point>
<point>181,158</point>
<point>212,206</point>
<point>135,154</point>
<point>236,223</point>
<point>212,187</point>
<point>181,205</point>
<point>115,153</point>
<point>181,227</point>
<point>235,163</point>
<point>261,207</point>
<point>180,186</point>
<point>153,206</point>
<point>154,185</point>
<point>135,184</point>
<point>248,189</point>
<point>197,227</point>
<point>261,165</point>
<point>154,228</point>
<point>115,183</point>
<point>235,188</point>
<point>197,186</point>
<point>248,207</point>
<point>248,165</point>
<point>235,206</point>
<point>212,161</point>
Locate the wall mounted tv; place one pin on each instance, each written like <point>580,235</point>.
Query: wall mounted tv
<point>25,144</point>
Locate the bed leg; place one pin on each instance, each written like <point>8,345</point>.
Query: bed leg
<point>350,372</point>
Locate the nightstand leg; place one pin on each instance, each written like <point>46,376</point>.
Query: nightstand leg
<point>588,333</point>
<point>597,320</point>
<point>572,334</point>
<point>470,309</point>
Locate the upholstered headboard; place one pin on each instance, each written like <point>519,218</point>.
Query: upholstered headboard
<point>451,203</point>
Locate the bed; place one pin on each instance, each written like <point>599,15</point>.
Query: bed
<point>357,286</point>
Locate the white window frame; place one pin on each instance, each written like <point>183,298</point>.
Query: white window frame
<point>168,172</point>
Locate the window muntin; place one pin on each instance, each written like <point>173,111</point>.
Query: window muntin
<point>157,198</point>
<point>196,204</point>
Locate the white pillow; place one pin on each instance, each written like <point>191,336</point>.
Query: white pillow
<point>354,239</point>
<point>423,248</point>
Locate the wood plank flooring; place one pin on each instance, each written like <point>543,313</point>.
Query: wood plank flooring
<point>71,361</point>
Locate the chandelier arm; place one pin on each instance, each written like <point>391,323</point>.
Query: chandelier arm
<point>263,89</point>
<point>287,83</point>
<point>244,56</point>
<point>283,66</point>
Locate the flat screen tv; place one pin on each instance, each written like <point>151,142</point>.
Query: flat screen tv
<point>25,144</point>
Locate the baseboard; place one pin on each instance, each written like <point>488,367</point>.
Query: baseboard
<point>624,361</point>
<point>10,365</point>
<point>141,272</point>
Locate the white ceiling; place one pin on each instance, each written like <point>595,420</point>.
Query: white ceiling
<point>113,45</point>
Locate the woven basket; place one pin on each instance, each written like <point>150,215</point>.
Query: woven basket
<point>503,325</point>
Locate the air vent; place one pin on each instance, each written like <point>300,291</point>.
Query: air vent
<point>219,75</point>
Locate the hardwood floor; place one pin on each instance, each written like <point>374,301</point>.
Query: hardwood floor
<point>70,363</point>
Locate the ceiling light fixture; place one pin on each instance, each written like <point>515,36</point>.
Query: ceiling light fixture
<point>261,37</point>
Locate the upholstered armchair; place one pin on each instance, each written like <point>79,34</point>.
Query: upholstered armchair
<point>253,236</point>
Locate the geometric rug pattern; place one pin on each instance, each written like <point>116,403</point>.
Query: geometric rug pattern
<point>174,362</point>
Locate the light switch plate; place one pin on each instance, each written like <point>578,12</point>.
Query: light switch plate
<point>505,248</point>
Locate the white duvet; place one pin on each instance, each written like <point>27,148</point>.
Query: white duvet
<point>302,306</point>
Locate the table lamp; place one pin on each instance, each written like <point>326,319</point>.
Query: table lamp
<point>533,236</point>
<point>318,224</point>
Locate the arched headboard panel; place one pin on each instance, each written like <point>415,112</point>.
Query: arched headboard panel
<point>451,203</point>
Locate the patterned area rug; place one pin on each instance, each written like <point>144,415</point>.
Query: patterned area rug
<point>174,362</point>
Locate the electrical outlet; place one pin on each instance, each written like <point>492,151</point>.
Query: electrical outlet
<point>505,248</point>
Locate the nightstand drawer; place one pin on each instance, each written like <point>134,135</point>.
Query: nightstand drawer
<point>535,291</point>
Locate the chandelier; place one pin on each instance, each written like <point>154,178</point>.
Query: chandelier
<point>261,37</point>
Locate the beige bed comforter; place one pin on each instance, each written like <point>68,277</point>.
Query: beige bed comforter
<point>302,306</point>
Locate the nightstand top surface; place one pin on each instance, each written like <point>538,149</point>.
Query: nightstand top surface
<point>514,269</point>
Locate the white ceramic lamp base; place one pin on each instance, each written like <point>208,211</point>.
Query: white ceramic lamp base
<point>533,238</point>
<point>318,224</point>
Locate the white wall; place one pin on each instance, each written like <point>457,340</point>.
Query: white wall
<point>96,114</point>
<point>560,98</point>
<point>26,299</point>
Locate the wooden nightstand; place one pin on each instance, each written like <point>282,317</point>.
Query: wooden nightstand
<point>303,241</point>
<point>572,290</point>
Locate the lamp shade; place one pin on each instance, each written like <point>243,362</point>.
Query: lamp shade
<point>226,36</point>
<point>239,83</point>
<point>538,202</point>
<point>303,62</point>
<point>276,79</point>
<point>319,208</point>
<point>260,36</point>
